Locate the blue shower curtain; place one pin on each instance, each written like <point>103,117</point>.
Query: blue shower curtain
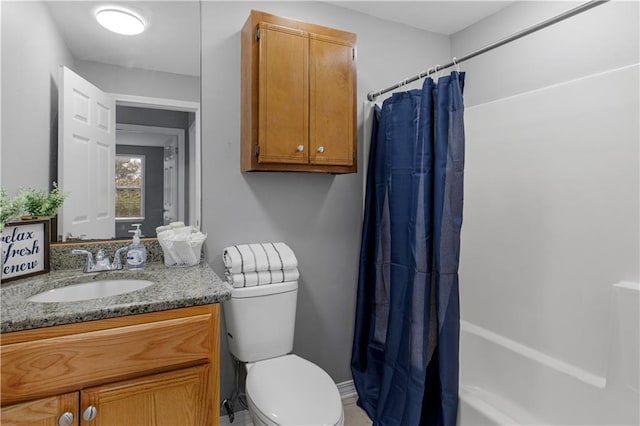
<point>405,350</point>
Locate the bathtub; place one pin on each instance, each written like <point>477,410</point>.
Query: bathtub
<point>503,382</point>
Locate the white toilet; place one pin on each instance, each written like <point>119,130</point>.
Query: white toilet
<point>282,389</point>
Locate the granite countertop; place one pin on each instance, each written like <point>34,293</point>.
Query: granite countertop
<point>173,288</point>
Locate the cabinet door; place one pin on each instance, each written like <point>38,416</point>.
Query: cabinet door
<point>180,397</point>
<point>332,131</point>
<point>42,412</point>
<point>283,115</point>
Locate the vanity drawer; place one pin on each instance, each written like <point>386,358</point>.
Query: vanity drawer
<point>55,365</point>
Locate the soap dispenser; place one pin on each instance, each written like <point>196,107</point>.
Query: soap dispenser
<point>137,253</point>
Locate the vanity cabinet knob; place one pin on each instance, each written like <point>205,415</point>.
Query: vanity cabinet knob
<point>66,419</point>
<point>300,148</point>
<point>321,149</point>
<point>90,413</point>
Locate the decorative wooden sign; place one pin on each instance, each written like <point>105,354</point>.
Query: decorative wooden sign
<point>25,249</point>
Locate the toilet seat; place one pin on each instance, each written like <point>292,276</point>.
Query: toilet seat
<point>290,390</point>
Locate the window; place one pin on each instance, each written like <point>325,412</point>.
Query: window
<point>130,187</point>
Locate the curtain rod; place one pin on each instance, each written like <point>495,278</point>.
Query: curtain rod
<point>529,30</point>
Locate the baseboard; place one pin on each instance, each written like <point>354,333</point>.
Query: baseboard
<point>347,391</point>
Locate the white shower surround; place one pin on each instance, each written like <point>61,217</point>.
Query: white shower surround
<point>504,382</point>
<point>568,353</point>
<point>551,220</point>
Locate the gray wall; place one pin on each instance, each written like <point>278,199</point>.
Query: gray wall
<point>153,117</point>
<point>318,215</point>
<point>32,52</point>
<point>139,82</point>
<point>551,177</point>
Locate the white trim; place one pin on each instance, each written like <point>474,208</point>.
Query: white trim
<point>143,192</point>
<point>147,102</point>
<point>197,173</point>
<point>347,391</point>
<point>537,356</point>
<point>193,218</point>
<point>143,128</point>
<point>175,105</point>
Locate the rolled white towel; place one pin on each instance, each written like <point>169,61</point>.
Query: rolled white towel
<point>160,229</point>
<point>250,279</point>
<point>259,257</point>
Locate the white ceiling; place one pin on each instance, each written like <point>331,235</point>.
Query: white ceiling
<point>171,42</point>
<point>445,17</point>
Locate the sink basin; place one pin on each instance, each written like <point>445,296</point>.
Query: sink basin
<point>90,290</point>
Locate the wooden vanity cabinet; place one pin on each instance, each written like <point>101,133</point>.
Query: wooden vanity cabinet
<point>158,368</point>
<point>298,96</point>
<point>176,398</point>
<point>41,412</point>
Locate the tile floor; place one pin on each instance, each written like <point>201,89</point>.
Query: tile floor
<point>353,416</point>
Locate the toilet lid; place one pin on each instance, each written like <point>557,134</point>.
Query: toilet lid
<point>289,390</point>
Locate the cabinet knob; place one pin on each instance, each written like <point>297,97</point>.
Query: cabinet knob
<point>321,149</point>
<point>300,148</point>
<point>66,419</point>
<point>90,413</point>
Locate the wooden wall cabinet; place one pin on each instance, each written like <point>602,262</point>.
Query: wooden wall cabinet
<point>152,369</point>
<point>298,90</point>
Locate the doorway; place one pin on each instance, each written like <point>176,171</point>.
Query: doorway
<point>150,173</point>
<point>181,155</point>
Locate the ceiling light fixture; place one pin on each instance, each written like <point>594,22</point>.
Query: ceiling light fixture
<point>121,21</point>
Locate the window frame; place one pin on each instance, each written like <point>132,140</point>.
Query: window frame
<point>143,169</point>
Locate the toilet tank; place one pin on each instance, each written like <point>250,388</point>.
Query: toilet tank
<point>260,320</point>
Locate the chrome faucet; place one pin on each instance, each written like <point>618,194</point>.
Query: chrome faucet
<point>101,262</point>
<point>117,261</point>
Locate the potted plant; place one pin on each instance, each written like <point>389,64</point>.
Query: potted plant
<point>39,203</point>
<point>10,208</point>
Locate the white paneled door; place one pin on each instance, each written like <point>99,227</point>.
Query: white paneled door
<point>86,158</point>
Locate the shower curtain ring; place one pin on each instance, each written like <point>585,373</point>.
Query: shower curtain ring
<point>455,62</point>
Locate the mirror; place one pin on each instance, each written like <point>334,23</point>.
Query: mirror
<point>150,173</point>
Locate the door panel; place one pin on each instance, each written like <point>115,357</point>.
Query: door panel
<point>86,152</point>
<point>180,397</point>
<point>332,101</point>
<point>76,209</point>
<point>42,412</point>
<point>283,123</point>
<point>104,161</point>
